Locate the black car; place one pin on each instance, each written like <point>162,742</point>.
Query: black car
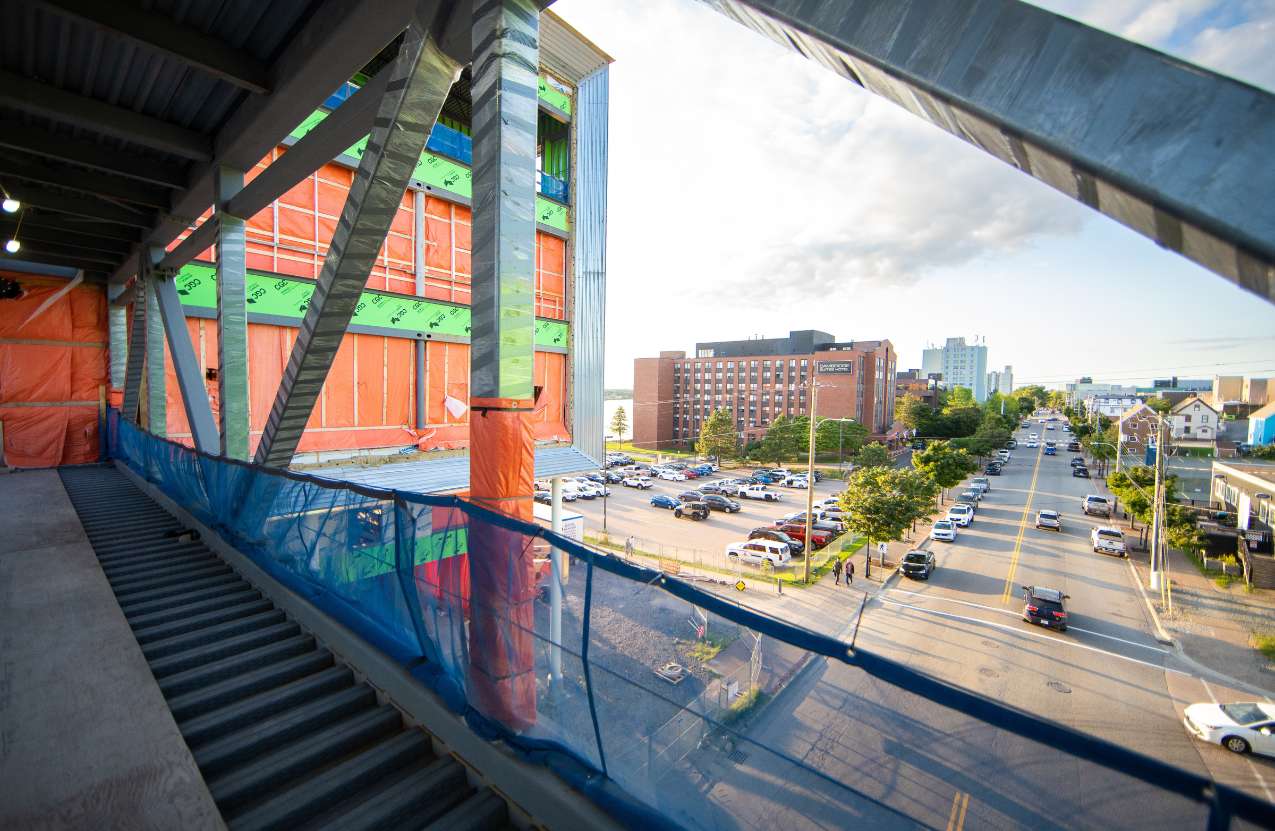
<point>818,475</point>
<point>717,502</point>
<point>612,477</point>
<point>796,546</point>
<point>1080,472</point>
<point>1073,446</point>
<point>694,510</point>
<point>993,469</point>
<point>1045,607</point>
<point>1077,461</point>
<point>918,565</point>
<point>543,497</point>
<point>690,496</point>
<point>1011,444</point>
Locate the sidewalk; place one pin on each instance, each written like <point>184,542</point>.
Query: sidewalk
<point>1215,626</point>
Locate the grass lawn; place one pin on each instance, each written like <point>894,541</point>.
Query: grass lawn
<point>1265,644</point>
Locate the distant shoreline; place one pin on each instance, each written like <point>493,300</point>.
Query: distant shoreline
<point>616,395</point>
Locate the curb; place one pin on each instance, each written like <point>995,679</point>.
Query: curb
<point>1160,634</point>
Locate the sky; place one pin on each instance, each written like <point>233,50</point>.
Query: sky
<point>752,192</point>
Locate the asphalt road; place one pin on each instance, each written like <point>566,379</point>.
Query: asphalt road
<point>890,758</point>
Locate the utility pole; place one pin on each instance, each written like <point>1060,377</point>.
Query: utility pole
<point>810,480</point>
<point>1157,507</point>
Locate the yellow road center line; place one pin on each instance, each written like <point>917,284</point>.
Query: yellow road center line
<point>965,804</point>
<point>956,817</point>
<point>1022,530</point>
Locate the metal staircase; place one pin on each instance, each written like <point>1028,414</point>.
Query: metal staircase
<point>284,734</point>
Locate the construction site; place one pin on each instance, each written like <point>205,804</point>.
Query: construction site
<point>300,301</point>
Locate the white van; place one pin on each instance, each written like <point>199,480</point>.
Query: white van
<point>760,551</point>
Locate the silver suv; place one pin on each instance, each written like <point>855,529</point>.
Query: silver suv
<point>1096,506</point>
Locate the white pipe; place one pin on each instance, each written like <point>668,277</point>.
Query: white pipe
<point>555,582</point>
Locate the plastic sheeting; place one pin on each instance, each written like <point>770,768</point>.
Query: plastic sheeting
<point>52,369</point>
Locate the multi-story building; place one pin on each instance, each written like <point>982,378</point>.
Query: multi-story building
<point>1001,381</point>
<point>1193,418</point>
<point>1258,392</point>
<point>962,364</point>
<point>1084,387</point>
<point>913,382</point>
<point>759,380</point>
<point>1227,389</point>
<point>1109,405</point>
<point>1137,431</point>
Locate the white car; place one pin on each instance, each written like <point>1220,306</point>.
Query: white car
<point>760,551</point>
<point>796,482</point>
<point>1237,727</point>
<point>1033,443</point>
<point>962,515</point>
<point>640,482</point>
<point>1108,541</point>
<point>944,530</point>
<point>671,475</point>
<point>1033,436</point>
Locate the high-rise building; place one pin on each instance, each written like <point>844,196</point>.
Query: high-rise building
<point>1001,381</point>
<point>962,364</point>
<point>759,380</point>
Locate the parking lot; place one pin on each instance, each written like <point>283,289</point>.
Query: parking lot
<point>628,512</point>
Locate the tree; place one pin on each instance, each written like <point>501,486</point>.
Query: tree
<point>913,412</point>
<point>839,436</point>
<point>619,423</point>
<point>717,437</point>
<point>872,455</point>
<point>785,438</point>
<point>1031,397</point>
<point>1134,487</point>
<point>1160,404</point>
<point>958,398</point>
<point>881,503</point>
<point>1101,445</point>
<point>1056,399</point>
<point>1265,452</point>
<point>944,464</point>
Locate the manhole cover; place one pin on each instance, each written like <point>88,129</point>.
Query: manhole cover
<point>992,644</point>
<point>737,756</point>
<point>988,672</point>
<point>1058,686</point>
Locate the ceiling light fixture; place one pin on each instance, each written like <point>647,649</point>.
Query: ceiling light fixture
<point>11,205</point>
<point>12,246</point>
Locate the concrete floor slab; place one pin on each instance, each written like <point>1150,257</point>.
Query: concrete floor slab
<point>86,738</point>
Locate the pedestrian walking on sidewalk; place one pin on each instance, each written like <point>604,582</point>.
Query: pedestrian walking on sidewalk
<point>849,572</point>
<point>628,548</point>
<point>836,572</point>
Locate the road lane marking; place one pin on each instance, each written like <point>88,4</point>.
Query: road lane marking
<point>1251,766</point>
<point>956,817</point>
<point>999,610</point>
<point>1029,633</point>
<point>1022,530</point>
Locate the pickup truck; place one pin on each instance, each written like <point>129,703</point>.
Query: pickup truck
<point>1108,541</point>
<point>757,492</point>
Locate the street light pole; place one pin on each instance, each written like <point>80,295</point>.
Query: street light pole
<point>1157,521</point>
<point>810,481</point>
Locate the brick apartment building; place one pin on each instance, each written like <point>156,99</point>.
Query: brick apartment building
<point>759,380</point>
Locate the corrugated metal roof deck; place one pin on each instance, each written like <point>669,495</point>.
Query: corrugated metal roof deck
<point>434,476</point>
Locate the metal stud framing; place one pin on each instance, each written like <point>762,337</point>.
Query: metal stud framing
<point>414,96</point>
<point>506,54</point>
<point>232,317</point>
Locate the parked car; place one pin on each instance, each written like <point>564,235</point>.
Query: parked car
<point>642,483</point>
<point>960,514</point>
<point>944,530</point>
<point>573,490</point>
<point>795,545</point>
<point>1011,444</point>
<point>993,469</point>
<point>759,551</point>
<point>694,510</point>
<point>971,495</point>
<point>670,475</point>
<point>663,500</point>
<point>691,496</point>
<point>1046,607</point>
<point>1107,540</point>
<point>757,492</point>
<point>1047,519</point>
<point>918,564</point>
<point>543,497</point>
<point>717,502</point>
<point>818,539</point>
<point>689,473</point>
<point>704,470</point>
<point>799,481</point>
<point>1080,472</point>
<point>612,477</point>
<point>1094,505</point>
<point>1240,727</point>
<point>981,480</point>
<point>822,520</point>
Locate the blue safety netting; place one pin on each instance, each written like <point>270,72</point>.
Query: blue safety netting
<point>656,745</point>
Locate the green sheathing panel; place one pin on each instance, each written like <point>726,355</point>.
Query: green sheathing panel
<point>442,173</point>
<point>270,294</point>
<point>552,96</point>
<point>374,560</point>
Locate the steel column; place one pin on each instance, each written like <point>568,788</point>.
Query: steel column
<point>186,365</point>
<point>502,575</point>
<point>589,233</point>
<point>156,380</point>
<point>119,349</point>
<point>232,317</point>
<point>136,360</point>
<point>421,78</point>
<point>555,582</point>
<point>418,262</point>
<point>1178,153</point>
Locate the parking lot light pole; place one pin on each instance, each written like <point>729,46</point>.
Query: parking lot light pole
<point>810,482</point>
<point>555,581</point>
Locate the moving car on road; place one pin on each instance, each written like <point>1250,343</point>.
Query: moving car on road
<point>1107,540</point>
<point>960,514</point>
<point>1237,727</point>
<point>1077,461</point>
<point>717,502</point>
<point>1080,472</point>
<point>796,546</point>
<point>1051,450</point>
<point>759,551</point>
<point>944,530</point>
<point>918,564</point>
<point>1045,607</point>
<point>1051,520</point>
<point>1094,505</point>
<point>1073,446</point>
<point>694,510</point>
<point>1033,443</point>
<point>993,469</point>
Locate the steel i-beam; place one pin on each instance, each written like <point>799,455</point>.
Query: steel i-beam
<point>232,317</point>
<point>414,96</point>
<point>190,380</point>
